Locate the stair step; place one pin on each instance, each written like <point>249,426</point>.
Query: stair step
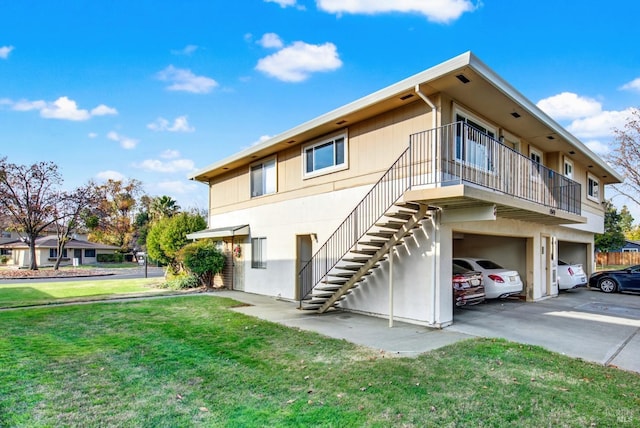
<point>404,215</point>
<point>355,268</point>
<point>370,251</point>
<point>346,274</point>
<point>334,284</point>
<point>310,307</point>
<point>374,243</point>
<point>391,225</point>
<point>322,293</point>
<point>408,205</point>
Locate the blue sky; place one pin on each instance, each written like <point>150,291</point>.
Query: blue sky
<point>153,89</point>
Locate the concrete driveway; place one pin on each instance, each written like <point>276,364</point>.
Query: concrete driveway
<point>583,323</point>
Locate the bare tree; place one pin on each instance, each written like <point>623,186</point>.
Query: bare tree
<point>625,157</point>
<point>69,213</point>
<point>28,196</point>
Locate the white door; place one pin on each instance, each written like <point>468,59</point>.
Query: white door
<point>544,261</point>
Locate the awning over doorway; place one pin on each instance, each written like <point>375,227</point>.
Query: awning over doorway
<point>220,232</point>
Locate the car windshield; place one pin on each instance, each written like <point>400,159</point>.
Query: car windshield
<point>488,264</point>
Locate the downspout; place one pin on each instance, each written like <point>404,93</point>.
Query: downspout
<point>436,215</point>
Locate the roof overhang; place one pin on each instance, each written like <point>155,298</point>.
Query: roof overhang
<point>487,93</point>
<point>221,232</point>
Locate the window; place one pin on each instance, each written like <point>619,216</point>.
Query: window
<point>326,156</point>
<point>259,253</point>
<point>473,142</point>
<point>5,234</point>
<point>90,252</point>
<point>536,157</point>
<point>629,250</point>
<point>263,178</point>
<point>53,253</point>
<point>568,169</point>
<point>593,188</point>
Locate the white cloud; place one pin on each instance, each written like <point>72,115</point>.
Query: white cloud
<point>5,51</point>
<point>170,154</point>
<point>262,139</point>
<point>92,135</point>
<point>442,11</point>
<point>63,108</point>
<point>25,105</point>
<point>270,40</point>
<point>125,142</point>
<point>180,124</point>
<point>176,165</point>
<point>568,105</point>
<point>103,110</point>
<point>173,187</point>
<point>296,62</point>
<point>187,50</point>
<point>634,85</point>
<point>110,175</point>
<point>282,3</point>
<point>598,147</point>
<point>601,124</point>
<point>184,80</point>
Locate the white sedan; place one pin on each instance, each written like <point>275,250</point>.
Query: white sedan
<point>498,281</point>
<point>570,276</point>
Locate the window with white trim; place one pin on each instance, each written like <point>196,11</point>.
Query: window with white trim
<point>325,156</point>
<point>263,178</point>
<point>568,168</point>
<point>53,253</point>
<point>259,253</point>
<point>536,157</point>
<point>593,188</point>
<point>473,142</point>
<point>629,250</point>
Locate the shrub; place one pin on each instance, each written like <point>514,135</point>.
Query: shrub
<point>203,260</point>
<point>110,258</point>
<point>4,260</point>
<point>182,282</point>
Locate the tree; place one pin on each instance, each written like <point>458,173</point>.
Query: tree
<point>69,214</point>
<point>203,260</point>
<point>163,206</point>
<point>612,239</point>
<point>626,220</point>
<point>29,196</point>
<point>167,236</point>
<point>113,219</point>
<point>625,157</point>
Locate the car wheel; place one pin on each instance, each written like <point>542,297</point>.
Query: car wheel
<point>608,285</point>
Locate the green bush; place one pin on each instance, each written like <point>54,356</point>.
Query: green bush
<point>110,258</point>
<point>203,260</point>
<point>4,260</point>
<point>182,282</point>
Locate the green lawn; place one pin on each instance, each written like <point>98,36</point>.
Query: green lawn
<point>25,292</point>
<point>191,361</point>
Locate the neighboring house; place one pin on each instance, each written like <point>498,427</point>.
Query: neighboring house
<point>629,247</point>
<point>83,251</point>
<point>448,163</point>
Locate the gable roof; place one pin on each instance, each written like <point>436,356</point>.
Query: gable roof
<point>52,242</point>
<point>485,91</point>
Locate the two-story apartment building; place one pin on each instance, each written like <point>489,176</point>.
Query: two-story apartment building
<point>364,207</point>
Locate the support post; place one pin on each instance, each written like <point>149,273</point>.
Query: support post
<point>391,288</point>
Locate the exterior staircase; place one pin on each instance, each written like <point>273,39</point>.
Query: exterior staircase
<point>378,223</point>
<point>365,256</point>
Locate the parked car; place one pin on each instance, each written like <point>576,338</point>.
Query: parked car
<point>498,282</point>
<point>570,275</point>
<point>611,281</point>
<point>467,287</point>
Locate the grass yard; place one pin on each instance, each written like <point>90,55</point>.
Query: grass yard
<point>191,361</point>
<point>21,293</point>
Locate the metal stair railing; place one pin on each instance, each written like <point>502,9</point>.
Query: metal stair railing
<point>387,191</point>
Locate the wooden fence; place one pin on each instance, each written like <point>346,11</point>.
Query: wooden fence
<point>623,259</point>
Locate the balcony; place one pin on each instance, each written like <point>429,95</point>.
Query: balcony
<point>458,167</point>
